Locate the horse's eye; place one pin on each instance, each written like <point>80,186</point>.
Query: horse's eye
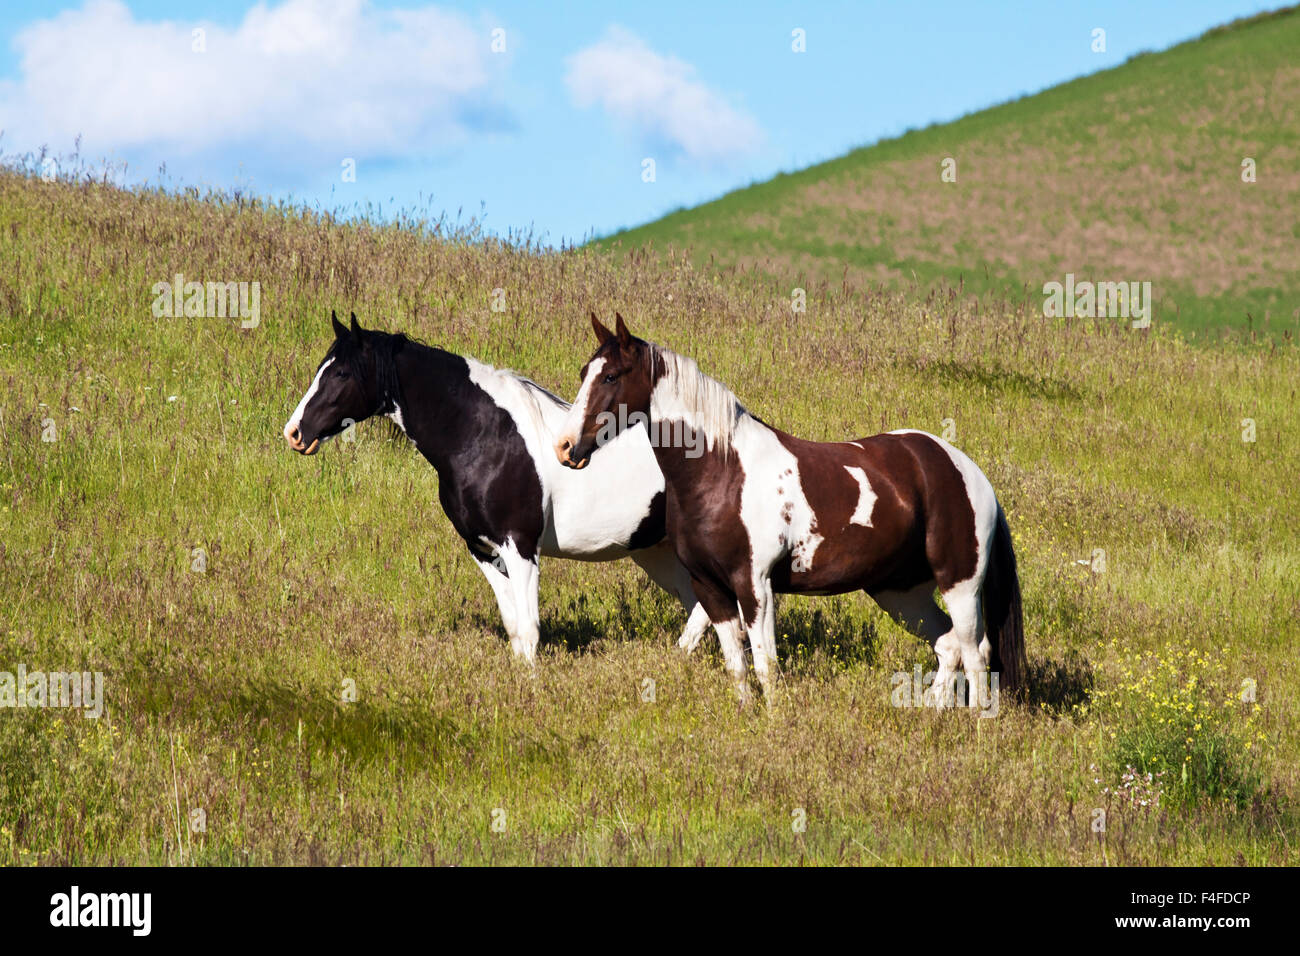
<point>611,378</point>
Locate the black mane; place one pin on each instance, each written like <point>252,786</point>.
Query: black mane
<point>385,347</point>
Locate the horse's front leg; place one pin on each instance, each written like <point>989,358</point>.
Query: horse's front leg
<point>722,611</point>
<point>521,568</point>
<point>761,626</point>
<point>494,571</point>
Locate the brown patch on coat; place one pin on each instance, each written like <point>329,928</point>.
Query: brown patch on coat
<point>922,522</point>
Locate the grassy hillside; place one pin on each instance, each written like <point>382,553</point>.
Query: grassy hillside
<point>1133,174</point>
<point>224,688</point>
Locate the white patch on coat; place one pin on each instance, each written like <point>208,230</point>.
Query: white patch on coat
<point>509,392</point>
<point>295,420</point>
<point>866,498</point>
<point>396,416</point>
<point>773,507</point>
<point>591,514</point>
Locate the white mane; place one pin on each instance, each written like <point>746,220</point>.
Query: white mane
<point>704,403</point>
<point>527,393</point>
<point>536,395</point>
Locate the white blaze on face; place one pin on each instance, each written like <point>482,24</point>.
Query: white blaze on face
<point>866,498</point>
<point>572,428</point>
<point>295,420</point>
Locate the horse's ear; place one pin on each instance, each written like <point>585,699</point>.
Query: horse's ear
<point>603,334</point>
<point>340,330</point>
<point>624,336</point>
<point>356,327</point>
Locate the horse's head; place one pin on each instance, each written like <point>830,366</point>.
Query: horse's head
<point>617,382</point>
<point>346,389</point>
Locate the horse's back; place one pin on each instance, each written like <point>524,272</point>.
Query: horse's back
<point>899,507</point>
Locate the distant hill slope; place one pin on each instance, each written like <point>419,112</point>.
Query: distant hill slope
<point>1131,174</point>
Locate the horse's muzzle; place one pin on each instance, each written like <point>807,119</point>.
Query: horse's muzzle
<point>564,451</point>
<point>294,437</point>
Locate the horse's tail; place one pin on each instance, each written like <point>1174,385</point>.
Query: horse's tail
<point>1003,618</point>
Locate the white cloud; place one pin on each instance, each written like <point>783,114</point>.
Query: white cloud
<point>659,97</point>
<point>292,79</point>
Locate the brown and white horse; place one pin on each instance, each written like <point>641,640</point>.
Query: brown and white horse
<point>753,511</point>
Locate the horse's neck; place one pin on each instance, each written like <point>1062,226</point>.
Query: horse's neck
<point>434,408</point>
<point>715,411</point>
<point>712,466</point>
<point>445,396</point>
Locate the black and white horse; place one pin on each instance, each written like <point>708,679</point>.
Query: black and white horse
<point>489,434</point>
<point>754,512</point>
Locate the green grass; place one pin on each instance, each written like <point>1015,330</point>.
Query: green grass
<point>225,689</point>
<point>1132,173</point>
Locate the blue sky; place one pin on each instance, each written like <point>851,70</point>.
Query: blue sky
<point>552,132</point>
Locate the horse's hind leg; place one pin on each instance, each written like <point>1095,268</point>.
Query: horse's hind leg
<point>916,610</point>
<point>966,609</point>
<point>661,565</point>
<point>696,624</point>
